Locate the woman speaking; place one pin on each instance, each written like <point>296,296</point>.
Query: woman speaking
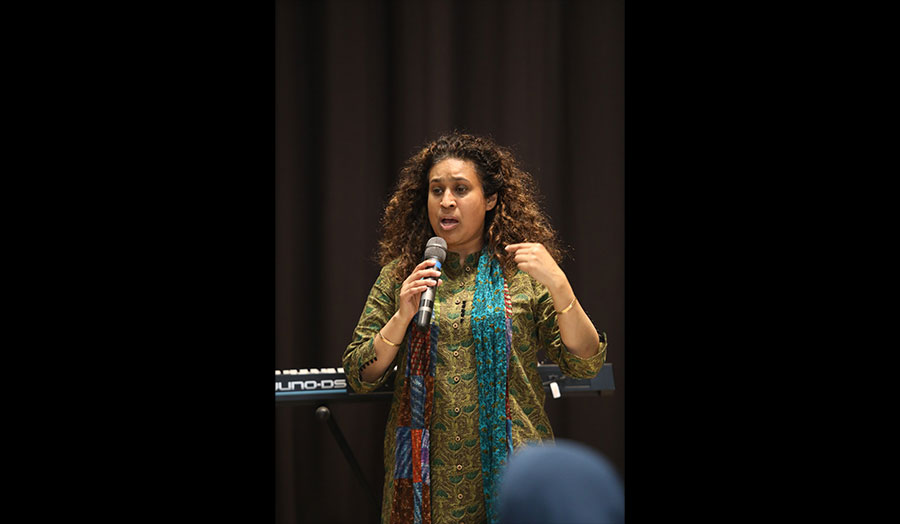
<point>467,390</point>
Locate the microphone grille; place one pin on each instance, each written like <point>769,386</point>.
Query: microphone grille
<point>436,248</point>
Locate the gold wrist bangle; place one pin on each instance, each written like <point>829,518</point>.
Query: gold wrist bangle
<point>386,340</point>
<point>567,307</point>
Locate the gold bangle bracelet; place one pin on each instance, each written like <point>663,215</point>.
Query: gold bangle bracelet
<point>386,340</point>
<point>568,307</point>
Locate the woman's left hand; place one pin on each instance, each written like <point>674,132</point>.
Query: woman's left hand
<point>534,259</point>
<point>576,330</point>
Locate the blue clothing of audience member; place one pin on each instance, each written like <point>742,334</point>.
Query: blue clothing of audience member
<point>561,483</point>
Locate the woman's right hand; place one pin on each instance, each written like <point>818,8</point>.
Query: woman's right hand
<point>412,288</point>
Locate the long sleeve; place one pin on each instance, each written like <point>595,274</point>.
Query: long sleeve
<point>548,333</point>
<point>379,307</point>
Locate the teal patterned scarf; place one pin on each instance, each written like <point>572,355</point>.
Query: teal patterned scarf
<point>492,330</point>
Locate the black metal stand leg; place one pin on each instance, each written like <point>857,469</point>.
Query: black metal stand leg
<point>324,414</point>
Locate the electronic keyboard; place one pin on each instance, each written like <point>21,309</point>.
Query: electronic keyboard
<point>307,386</point>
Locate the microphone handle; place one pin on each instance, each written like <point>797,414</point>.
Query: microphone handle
<point>426,305</point>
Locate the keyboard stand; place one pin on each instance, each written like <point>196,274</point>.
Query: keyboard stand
<point>324,414</point>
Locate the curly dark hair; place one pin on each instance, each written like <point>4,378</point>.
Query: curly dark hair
<point>517,216</point>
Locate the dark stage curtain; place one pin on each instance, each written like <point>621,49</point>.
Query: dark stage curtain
<point>360,85</point>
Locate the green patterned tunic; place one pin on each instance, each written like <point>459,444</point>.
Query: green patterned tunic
<point>456,490</point>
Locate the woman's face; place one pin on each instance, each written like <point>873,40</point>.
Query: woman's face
<point>456,205</point>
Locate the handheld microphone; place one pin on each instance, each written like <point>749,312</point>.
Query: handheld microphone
<point>436,248</point>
